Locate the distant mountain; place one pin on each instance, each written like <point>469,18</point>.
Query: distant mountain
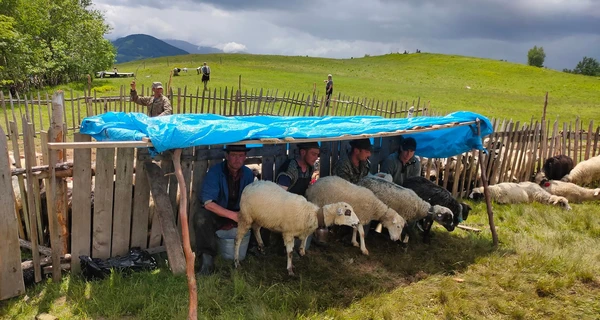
<point>190,47</point>
<point>142,46</point>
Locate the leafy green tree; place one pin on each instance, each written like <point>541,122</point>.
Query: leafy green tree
<point>536,56</point>
<point>588,66</point>
<point>57,41</point>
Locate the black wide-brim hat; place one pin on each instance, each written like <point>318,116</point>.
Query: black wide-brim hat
<point>236,148</point>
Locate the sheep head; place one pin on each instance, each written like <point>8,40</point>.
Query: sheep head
<point>477,194</point>
<point>341,213</point>
<point>394,223</point>
<point>443,216</point>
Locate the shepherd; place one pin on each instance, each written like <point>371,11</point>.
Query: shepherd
<point>205,69</point>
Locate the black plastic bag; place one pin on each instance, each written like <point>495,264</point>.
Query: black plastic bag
<point>136,260</point>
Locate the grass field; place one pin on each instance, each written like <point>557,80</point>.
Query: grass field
<point>498,89</point>
<point>546,267</point>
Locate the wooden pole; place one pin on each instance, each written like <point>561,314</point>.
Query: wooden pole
<point>187,248</point>
<point>545,105</point>
<point>58,193</point>
<point>486,193</point>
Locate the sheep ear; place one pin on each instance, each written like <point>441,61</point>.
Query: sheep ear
<point>348,212</point>
<point>339,211</point>
<point>597,192</point>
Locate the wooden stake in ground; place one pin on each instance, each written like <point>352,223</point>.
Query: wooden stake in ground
<point>486,193</point>
<point>187,248</point>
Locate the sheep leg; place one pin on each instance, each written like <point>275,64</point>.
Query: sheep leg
<point>289,247</point>
<point>241,232</point>
<point>361,233</point>
<point>302,250</point>
<point>261,244</point>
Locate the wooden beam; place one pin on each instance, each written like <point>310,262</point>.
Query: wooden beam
<point>164,210</point>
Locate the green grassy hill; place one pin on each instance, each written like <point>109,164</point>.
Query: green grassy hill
<point>497,88</point>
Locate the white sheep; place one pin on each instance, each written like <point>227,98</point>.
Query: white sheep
<point>585,172</point>
<point>406,202</point>
<point>523,192</point>
<point>366,205</point>
<point>266,204</point>
<point>571,191</point>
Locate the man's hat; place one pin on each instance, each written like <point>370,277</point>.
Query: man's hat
<point>157,85</point>
<point>308,145</point>
<point>409,144</point>
<point>362,144</point>
<point>236,148</point>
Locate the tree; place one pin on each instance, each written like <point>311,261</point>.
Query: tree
<point>536,56</point>
<point>588,66</point>
<point>52,42</point>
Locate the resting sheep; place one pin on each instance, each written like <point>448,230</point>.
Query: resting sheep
<point>571,191</point>
<point>366,205</point>
<point>523,192</point>
<point>584,172</point>
<point>555,168</point>
<point>437,195</point>
<point>265,204</point>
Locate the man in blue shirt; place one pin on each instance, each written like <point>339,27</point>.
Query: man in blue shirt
<point>220,197</point>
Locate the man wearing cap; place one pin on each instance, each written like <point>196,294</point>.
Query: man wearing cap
<point>356,165</point>
<point>158,105</point>
<point>295,174</point>
<point>403,163</point>
<point>220,197</point>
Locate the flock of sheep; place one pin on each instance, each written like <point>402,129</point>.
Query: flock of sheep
<point>375,198</point>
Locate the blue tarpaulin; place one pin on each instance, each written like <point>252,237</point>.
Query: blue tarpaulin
<point>187,130</point>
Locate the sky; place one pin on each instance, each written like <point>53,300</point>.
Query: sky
<point>568,30</point>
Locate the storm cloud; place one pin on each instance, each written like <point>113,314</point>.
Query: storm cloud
<point>568,30</point>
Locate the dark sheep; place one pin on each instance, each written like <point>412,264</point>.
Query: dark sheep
<point>436,195</point>
<point>557,167</point>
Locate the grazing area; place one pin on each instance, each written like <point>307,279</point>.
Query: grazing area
<point>496,89</point>
<point>546,267</point>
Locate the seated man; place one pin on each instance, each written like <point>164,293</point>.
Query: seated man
<point>295,174</point>
<point>356,166</point>
<point>220,196</point>
<point>403,163</point>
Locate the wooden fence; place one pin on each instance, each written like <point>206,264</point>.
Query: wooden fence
<point>121,215</point>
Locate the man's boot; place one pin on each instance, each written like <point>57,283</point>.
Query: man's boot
<point>208,264</point>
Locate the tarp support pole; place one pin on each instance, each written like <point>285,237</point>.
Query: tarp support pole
<point>486,192</point>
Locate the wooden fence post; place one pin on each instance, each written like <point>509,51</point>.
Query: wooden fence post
<point>11,274</point>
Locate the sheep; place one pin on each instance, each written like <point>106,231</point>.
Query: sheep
<point>571,191</point>
<point>523,192</point>
<point>437,195</point>
<point>265,204</point>
<point>584,172</point>
<point>406,202</point>
<point>366,205</point>
<point>184,70</point>
<point>555,168</point>
<point>256,169</point>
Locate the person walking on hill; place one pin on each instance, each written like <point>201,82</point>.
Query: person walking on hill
<point>328,88</point>
<point>205,69</point>
<point>158,105</point>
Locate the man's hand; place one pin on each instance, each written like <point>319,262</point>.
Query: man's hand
<point>133,85</point>
<point>234,216</point>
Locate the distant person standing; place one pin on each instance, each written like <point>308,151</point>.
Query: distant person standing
<point>205,75</point>
<point>328,88</point>
<point>158,105</point>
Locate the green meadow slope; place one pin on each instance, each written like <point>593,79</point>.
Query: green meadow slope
<point>493,88</point>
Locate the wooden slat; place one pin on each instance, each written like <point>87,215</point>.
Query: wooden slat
<point>576,151</point>
<point>11,275</point>
<point>325,159</point>
<point>103,203</point>
<point>198,173</point>
<point>164,211</point>
<point>29,152</point>
<point>141,201</point>
<point>122,202</point>
<point>81,234</point>
<point>589,140</point>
